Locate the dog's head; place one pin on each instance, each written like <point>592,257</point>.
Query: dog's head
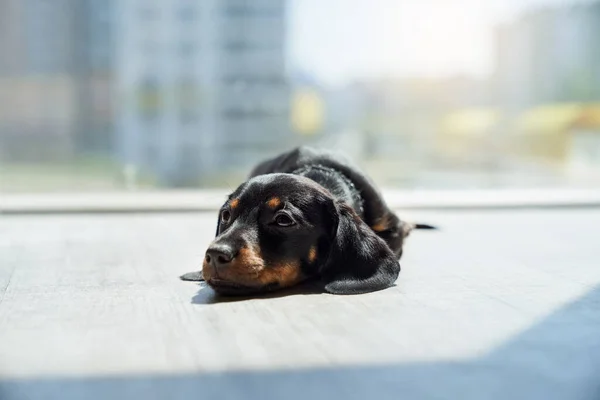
<point>277,230</point>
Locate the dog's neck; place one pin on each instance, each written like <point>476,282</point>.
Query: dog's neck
<point>335,182</point>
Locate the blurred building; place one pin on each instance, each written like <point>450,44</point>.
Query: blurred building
<point>54,78</point>
<point>549,55</point>
<point>37,93</point>
<point>401,116</point>
<point>94,57</point>
<point>201,85</point>
<point>583,150</point>
<point>392,125</point>
<point>183,89</point>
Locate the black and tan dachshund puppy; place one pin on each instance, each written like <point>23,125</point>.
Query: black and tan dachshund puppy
<point>306,214</point>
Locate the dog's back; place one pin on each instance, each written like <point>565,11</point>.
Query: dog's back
<point>348,183</point>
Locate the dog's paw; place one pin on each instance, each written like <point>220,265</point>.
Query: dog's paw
<point>195,276</point>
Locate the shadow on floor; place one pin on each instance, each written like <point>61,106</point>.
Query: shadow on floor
<point>559,358</point>
<point>206,295</point>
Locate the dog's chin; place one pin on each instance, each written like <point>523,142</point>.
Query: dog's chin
<point>230,288</point>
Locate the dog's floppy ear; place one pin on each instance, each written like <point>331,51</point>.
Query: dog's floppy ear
<point>359,261</point>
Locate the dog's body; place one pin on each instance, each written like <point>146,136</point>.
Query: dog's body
<point>306,214</point>
<point>347,184</point>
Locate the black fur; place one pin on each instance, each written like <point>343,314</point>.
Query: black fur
<point>344,234</point>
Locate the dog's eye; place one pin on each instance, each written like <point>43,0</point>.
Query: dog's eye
<point>225,216</point>
<point>284,220</point>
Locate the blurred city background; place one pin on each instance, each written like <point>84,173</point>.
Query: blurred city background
<point>148,94</point>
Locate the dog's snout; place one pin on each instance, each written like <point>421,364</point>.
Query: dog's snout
<point>219,255</point>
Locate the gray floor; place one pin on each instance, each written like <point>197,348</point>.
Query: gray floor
<point>496,305</point>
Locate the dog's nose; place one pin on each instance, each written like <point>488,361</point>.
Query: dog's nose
<point>219,255</point>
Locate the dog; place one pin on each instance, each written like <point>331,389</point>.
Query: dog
<point>306,214</point>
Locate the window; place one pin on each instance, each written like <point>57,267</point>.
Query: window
<point>507,92</point>
<point>150,48</point>
<point>187,13</point>
<point>150,101</point>
<point>249,11</point>
<point>148,12</point>
<point>256,80</point>
<point>188,101</point>
<point>187,49</point>
<point>249,46</point>
<point>151,152</point>
<point>250,112</point>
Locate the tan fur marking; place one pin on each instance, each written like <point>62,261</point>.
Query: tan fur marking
<point>234,203</point>
<point>244,268</point>
<point>274,202</point>
<point>248,268</point>
<point>312,254</point>
<point>380,226</point>
<point>207,271</point>
<point>286,274</point>
<point>248,257</point>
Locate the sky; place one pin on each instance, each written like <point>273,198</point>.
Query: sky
<point>341,40</point>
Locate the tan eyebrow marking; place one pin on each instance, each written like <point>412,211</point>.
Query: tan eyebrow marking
<point>274,202</point>
<point>234,203</point>
<point>312,254</point>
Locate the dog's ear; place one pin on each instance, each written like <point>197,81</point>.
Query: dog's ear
<point>359,261</point>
